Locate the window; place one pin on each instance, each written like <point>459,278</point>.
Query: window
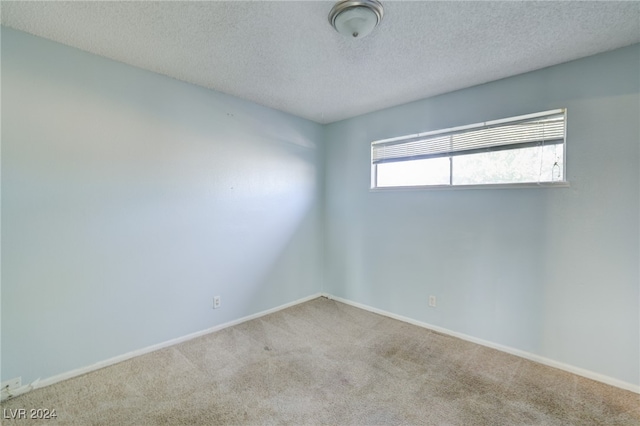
<point>517,150</point>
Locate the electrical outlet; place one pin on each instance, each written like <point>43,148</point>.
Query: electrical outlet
<point>432,301</point>
<point>216,302</point>
<point>8,386</point>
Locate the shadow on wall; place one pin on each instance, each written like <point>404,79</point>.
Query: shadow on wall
<point>130,199</point>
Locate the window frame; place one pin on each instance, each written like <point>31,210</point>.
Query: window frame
<point>459,129</point>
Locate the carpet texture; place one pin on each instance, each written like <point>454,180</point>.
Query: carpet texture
<point>324,362</point>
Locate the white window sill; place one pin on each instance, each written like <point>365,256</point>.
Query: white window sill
<point>563,184</point>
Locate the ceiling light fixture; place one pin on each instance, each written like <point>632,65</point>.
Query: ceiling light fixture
<point>356,18</point>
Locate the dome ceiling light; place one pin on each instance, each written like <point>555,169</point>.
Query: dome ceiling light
<point>356,18</point>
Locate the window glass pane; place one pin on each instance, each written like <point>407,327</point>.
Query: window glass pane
<point>535,164</point>
<point>526,149</point>
<point>432,171</point>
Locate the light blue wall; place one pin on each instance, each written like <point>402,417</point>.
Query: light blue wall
<point>130,199</point>
<point>550,271</point>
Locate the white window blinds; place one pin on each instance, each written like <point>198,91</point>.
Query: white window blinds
<point>544,128</point>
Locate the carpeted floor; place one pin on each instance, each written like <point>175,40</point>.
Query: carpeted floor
<point>323,362</point>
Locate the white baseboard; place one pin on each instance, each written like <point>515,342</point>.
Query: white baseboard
<point>513,351</point>
<point>523,354</point>
<point>101,364</point>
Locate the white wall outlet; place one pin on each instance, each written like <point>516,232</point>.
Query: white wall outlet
<point>216,302</point>
<point>10,385</point>
<point>432,301</point>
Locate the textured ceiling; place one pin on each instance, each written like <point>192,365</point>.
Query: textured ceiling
<point>286,55</point>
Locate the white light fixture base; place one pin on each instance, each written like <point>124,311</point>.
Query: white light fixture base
<point>356,18</point>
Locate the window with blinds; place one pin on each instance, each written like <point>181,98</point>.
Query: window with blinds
<point>516,150</point>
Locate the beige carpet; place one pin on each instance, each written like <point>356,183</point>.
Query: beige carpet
<point>323,362</point>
